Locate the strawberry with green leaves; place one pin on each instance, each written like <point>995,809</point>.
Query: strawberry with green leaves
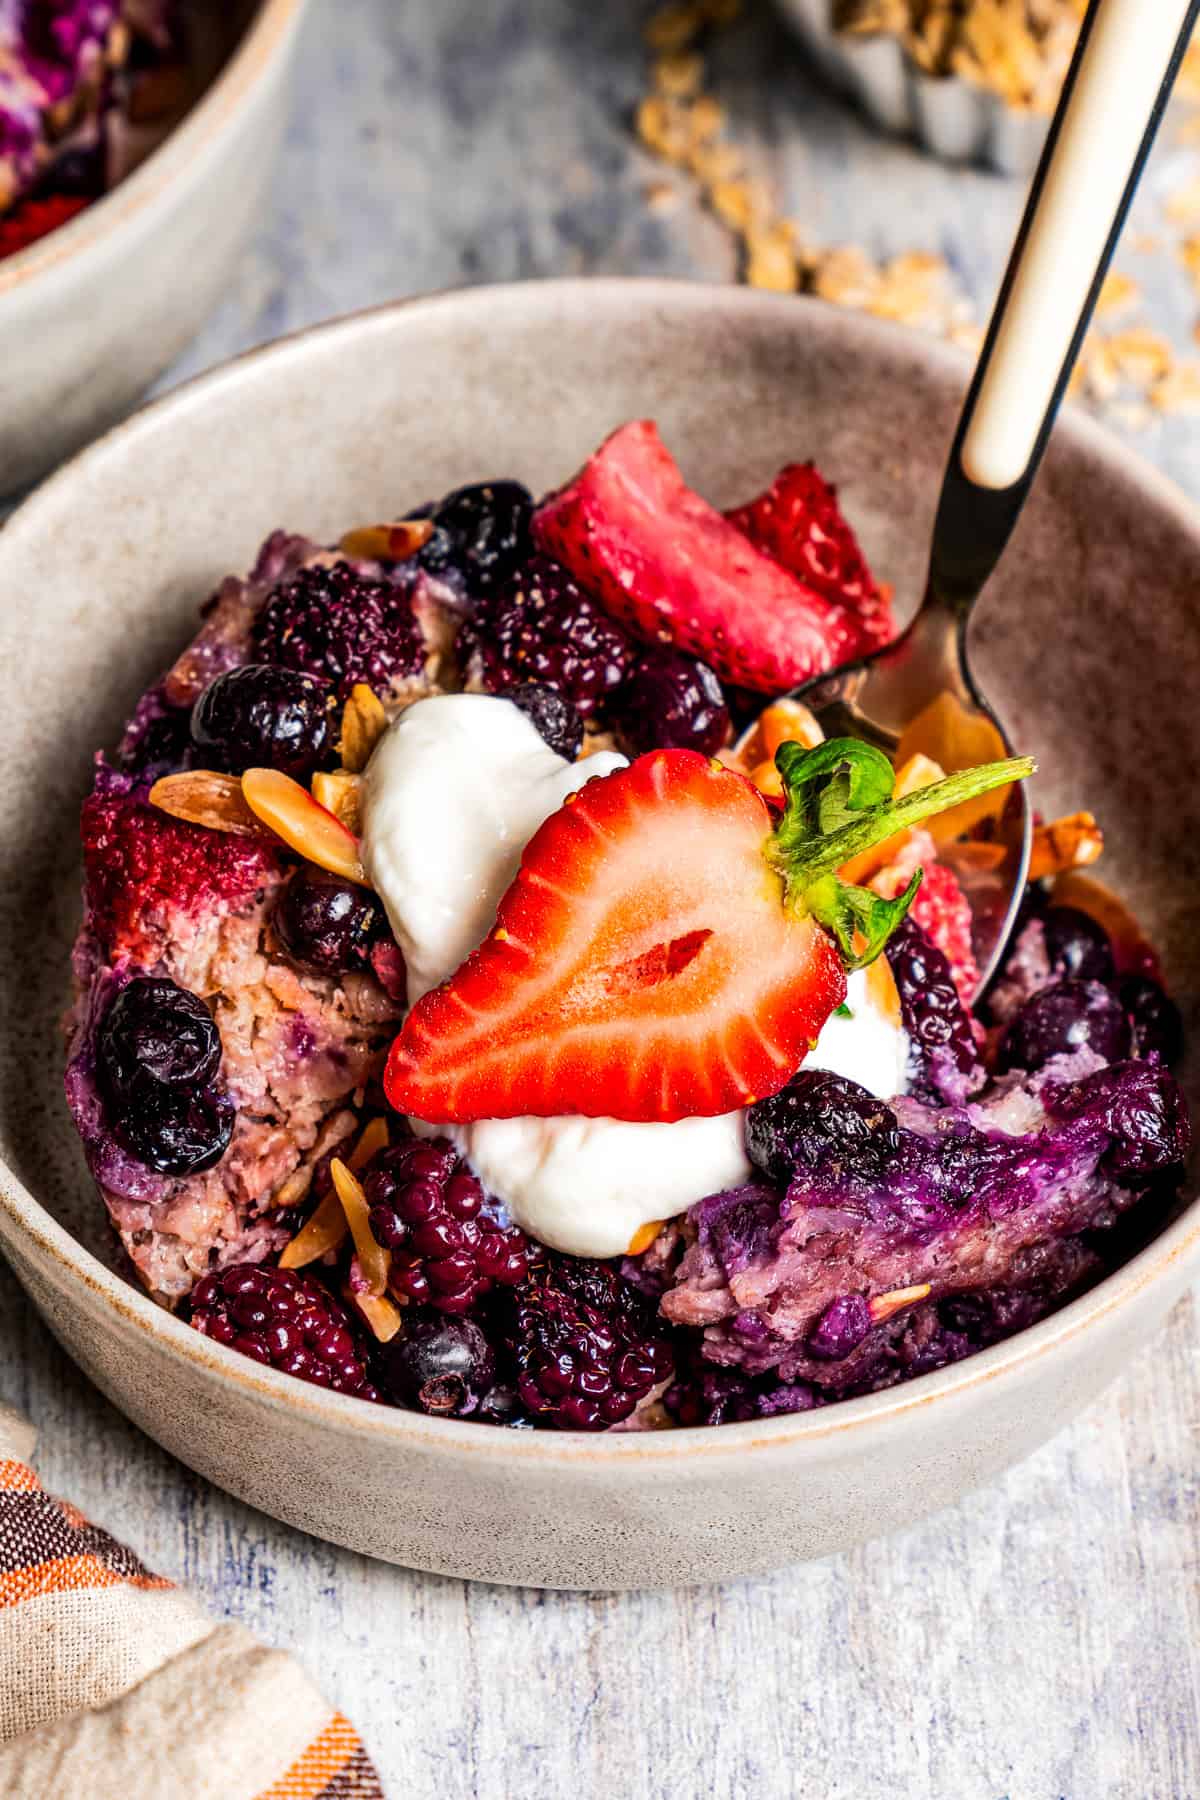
<point>670,948</point>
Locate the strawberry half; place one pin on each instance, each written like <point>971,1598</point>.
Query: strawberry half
<point>666,563</point>
<point>799,522</point>
<point>663,952</point>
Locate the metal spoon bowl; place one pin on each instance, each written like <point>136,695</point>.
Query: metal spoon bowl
<point>919,693</point>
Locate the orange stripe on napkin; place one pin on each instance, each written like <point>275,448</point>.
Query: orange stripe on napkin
<point>18,1478</point>
<point>334,1767</point>
<point>68,1574</point>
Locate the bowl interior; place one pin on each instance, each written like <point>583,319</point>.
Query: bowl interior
<point>1088,642</point>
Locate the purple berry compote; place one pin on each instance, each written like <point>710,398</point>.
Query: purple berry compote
<point>937,1176</point>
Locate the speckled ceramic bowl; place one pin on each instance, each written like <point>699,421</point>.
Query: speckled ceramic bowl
<point>100,575</point>
<point>92,313</point>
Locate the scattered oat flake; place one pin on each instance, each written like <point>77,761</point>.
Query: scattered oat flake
<point>1141,354</point>
<point>771,262</point>
<point>675,27</point>
<point>660,196</point>
<point>679,77</point>
<point>1184,203</point>
<point>662,126</point>
<point>1120,294</point>
<point>1179,390</point>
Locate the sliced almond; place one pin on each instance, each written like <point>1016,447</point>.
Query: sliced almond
<point>886,1306</point>
<point>326,1230</point>
<point>1073,842</point>
<point>783,722</point>
<point>382,1316</point>
<point>340,793</point>
<point>387,543</point>
<point>363,724</point>
<point>644,1236</point>
<point>373,1140</point>
<point>203,797</point>
<point>374,1260</point>
<point>305,826</point>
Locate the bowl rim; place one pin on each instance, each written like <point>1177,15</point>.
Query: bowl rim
<point>29,1220</point>
<point>266,31</point>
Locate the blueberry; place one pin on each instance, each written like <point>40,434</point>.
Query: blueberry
<point>440,1365</point>
<point>156,1031</point>
<point>1062,1018</point>
<point>553,715</point>
<point>1077,946</point>
<point>1155,1020</point>
<point>482,531</point>
<point>1142,1109</point>
<point>820,1123</point>
<point>260,717</point>
<point>158,1052</point>
<point>324,924</point>
<point>177,1133</point>
<point>672,702</point>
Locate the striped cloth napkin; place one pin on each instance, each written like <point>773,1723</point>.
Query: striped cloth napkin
<point>114,1685</point>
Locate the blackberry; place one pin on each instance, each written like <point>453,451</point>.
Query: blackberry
<point>1077,946</point>
<point>552,714</point>
<point>585,1343</point>
<point>822,1122</point>
<point>541,626</point>
<point>341,625</point>
<point>285,1319</point>
<point>428,1210</point>
<point>1155,1021</point>
<point>943,1059</point>
<point>327,925</point>
<point>263,717</point>
<point>672,702</point>
<point>439,1365</point>
<point>157,1054</point>
<point>482,532</point>
<point>1062,1018</point>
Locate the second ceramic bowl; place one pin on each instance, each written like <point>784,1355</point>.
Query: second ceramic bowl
<point>100,576</point>
<point>91,314</point>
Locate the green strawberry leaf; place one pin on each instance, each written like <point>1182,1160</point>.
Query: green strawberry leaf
<point>840,803</point>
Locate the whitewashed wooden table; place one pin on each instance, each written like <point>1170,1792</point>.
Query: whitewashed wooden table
<point>1036,1642</point>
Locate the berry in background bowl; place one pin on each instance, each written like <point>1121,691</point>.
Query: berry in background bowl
<point>800,1255</point>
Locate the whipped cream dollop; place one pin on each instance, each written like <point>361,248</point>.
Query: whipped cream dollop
<point>456,788</point>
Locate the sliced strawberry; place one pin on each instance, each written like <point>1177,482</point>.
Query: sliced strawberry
<point>799,522</point>
<point>34,219</point>
<point>643,965</point>
<point>671,568</point>
<point>667,951</point>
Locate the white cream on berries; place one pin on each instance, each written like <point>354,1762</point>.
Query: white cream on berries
<point>454,791</point>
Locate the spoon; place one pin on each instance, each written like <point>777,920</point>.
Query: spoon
<point>919,693</point>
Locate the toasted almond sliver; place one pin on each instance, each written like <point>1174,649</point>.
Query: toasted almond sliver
<point>364,722</point>
<point>202,797</point>
<point>383,1317</point>
<point>387,543</point>
<point>885,1306</point>
<point>304,825</point>
<point>340,793</point>
<point>373,1140</point>
<point>644,1236</point>
<point>326,1230</point>
<point>374,1260</point>
<point>1070,843</point>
